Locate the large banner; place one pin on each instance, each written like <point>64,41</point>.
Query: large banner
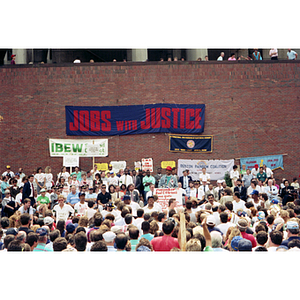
<point>271,161</point>
<point>215,168</point>
<point>165,194</point>
<point>81,148</point>
<point>135,119</point>
<point>192,143</point>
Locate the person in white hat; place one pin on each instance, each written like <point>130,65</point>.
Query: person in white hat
<point>109,239</point>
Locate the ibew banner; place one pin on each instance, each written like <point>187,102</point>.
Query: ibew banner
<point>271,161</point>
<point>215,168</point>
<point>78,147</point>
<point>135,119</point>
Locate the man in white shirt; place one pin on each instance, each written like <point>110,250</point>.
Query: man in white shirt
<point>125,178</point>
<point>268,171</point>
<point>234,174</point>
<point>113,179</point>
<point>135,206</point>
<point>62,211</point>
<point>8,172</point>
<point>255,170</point>
<point>271,190</point>
<point>220,58</point>
<point>151,192</point>
<point>204,176</point>
<point>198,191</point>
<point>237,202</point>
<point>224,223</point>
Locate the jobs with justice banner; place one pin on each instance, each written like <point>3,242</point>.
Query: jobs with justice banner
<point>135,119</point>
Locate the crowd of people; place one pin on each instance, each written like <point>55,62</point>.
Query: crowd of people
<point>113,211</point>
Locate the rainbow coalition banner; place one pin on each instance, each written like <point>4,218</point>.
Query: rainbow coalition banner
<point>135,119</point>
<point>271,161</point>
<point>183,143</point>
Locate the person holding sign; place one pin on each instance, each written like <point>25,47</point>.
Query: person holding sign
<point>168,180</point>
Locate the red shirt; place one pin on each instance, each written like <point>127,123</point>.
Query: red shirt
<point>164,243</point>
<point>249,237</point>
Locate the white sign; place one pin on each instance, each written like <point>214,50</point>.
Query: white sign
<point>164,196</point>
<point>118,165</point>
<point>137,165</point>
<point>78,147</point>
<point>147,164</point>
<point>71,161</point>
<point>215,168</point>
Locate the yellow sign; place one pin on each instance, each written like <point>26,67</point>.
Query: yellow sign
<point>165,164</point>
<point>102,166</point>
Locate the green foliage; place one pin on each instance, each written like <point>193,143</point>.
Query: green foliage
<point>227,179</point>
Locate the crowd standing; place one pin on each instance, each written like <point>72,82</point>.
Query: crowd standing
<point>98,210</point>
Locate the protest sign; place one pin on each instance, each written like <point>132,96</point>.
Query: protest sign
<point>165,194</point>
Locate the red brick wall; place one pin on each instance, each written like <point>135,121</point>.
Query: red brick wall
<point>252,109</point>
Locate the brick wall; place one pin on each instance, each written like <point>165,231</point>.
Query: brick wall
<point>252,109</point>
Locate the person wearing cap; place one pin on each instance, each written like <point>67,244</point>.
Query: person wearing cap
<point>109,239</point>
<point>234,245</point>
<point>242,225</point>
<point>113,179</point>
<point>8,172</point>
<point>244,245</point>
<point>211,224</point>
<point>42,198</point>
<point>292,228</point>
<point>168,180</point>
<point>80,207</point>
<point>91,195</point>
<point>134,206</point>
<point>255,170</point>
<point>13,59</point>
<point>42,239</point>
<point>204,176</point>
<point>254,199</point>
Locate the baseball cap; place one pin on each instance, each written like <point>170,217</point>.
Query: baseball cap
<point>81,194</point>
<point>126,197</point>
<point>292,225</point>
<point>11,231</point>
<point>13,55</point>
<point>244,245</point>
<point>7,167</point>
<point>274,201</point>
<point>48,220</point>
<point>42,190</point>
<point>7,192</point>
<point>111,172</point>
<point>17,174</point>
<point>242,223</point>
<point>211,221</point>
<point>242,214</point>
<point>143,248</point>
<point>70,227</point>
<point>261,215</point>
<point>256,166</point>
<point>235,243</point>
<point>41,231</point>
<point>168,168</point>
<point>109,236</point>
<point>254,192</point>
<point>116,229</point>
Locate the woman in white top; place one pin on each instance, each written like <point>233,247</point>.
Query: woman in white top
<point>40,179</point>
<point>49,178</point>
<point>63,173</point>
<point>75,182</point>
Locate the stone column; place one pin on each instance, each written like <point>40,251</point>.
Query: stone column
<point>193,54</point>
<point>21,56</point>
<point>139,54</point>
